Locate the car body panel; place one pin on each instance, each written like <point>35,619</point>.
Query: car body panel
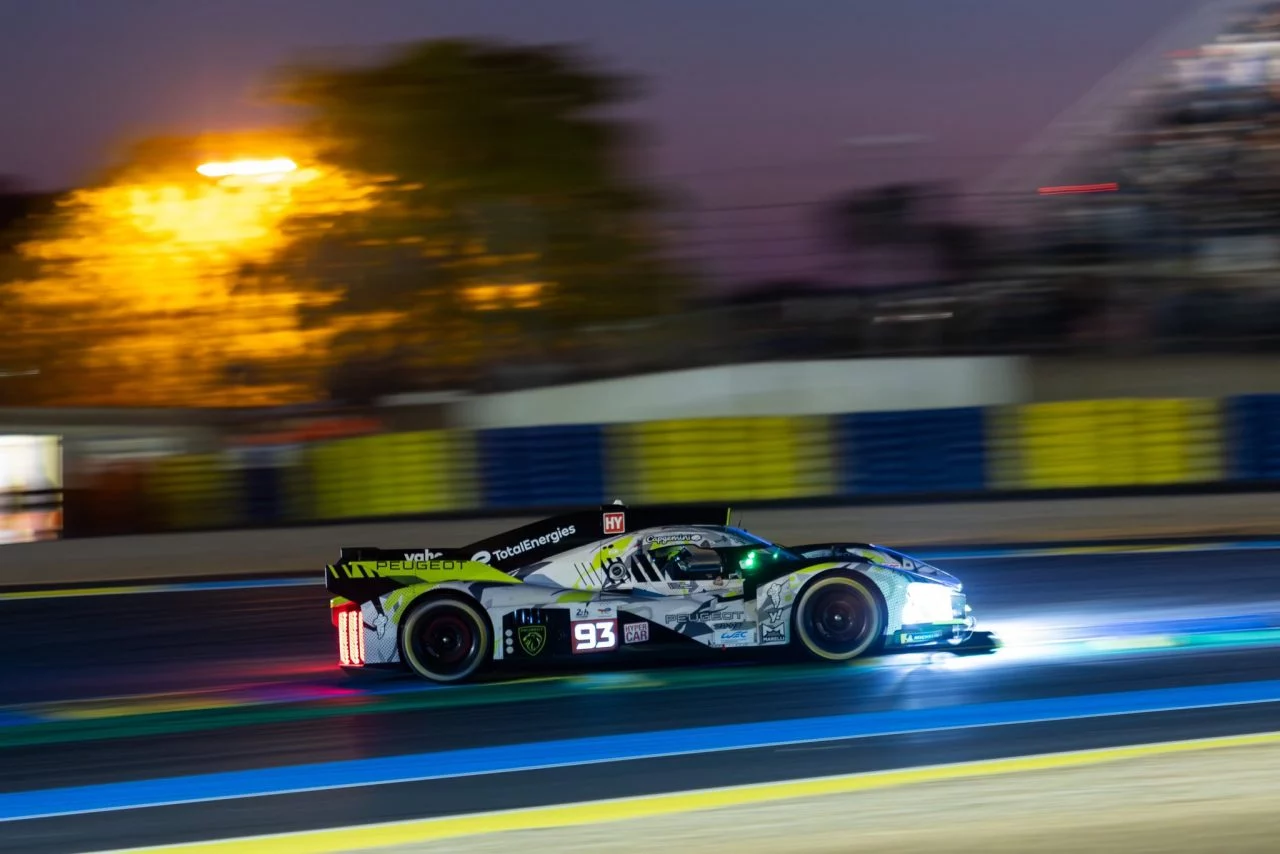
<point>614,579</point>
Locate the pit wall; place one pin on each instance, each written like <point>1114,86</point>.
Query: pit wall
<point>955,453</point>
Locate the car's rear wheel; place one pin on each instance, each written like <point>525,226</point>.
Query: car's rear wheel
<point>445,640</point>
<point>838,618</point>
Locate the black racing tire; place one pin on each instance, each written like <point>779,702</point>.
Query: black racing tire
<point>445,639</point>
<point>838,617</point>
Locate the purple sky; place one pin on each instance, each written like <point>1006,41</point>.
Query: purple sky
<point>749,99</point>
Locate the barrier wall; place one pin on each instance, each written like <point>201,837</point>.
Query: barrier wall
<point>952,452</point>
<point>826,387</point>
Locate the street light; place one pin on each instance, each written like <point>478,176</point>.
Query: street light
<point>274,168</point>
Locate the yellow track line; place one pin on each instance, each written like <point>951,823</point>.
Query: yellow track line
<point>652,806</point>
<point>20,595</point>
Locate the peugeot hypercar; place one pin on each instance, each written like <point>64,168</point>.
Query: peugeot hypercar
<point>618,580</point>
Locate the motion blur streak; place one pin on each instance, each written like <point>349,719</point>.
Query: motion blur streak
<point>568,815</point>
<point>129,589</point>
<point>309,579</point>
<point>122,702</point>
<point>589,751</point>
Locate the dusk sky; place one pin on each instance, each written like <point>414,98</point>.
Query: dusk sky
<point>749,100</point>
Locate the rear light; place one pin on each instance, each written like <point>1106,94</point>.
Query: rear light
<point>350,624</point>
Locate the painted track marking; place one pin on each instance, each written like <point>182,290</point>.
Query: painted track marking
<point>421,767</point>
<point>419,831</point>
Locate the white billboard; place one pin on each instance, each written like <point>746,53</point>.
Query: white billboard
<point>30,488</point>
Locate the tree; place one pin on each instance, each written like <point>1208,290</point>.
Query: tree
<point>134,290</point>
<point>508,213</point>
<point>454,201</point>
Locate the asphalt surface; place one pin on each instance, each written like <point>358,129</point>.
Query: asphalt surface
<point>63,652</point>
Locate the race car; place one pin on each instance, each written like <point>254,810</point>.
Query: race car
<point>615,580</point>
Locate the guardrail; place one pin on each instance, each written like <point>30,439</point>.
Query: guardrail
<point>1080,445</point>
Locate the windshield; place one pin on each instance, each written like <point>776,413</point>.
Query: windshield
<point>773,549</point>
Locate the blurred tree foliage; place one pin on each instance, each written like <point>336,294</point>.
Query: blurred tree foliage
<point>509,216</point>
<point>132,292</point>
<point>455,204</point>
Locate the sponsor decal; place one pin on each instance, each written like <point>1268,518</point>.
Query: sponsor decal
<point>674,538</point>
<point>770,632</point>
<point>615,523</point>
<point>778,595</point>
<point>383,568</point>
<point>635,633</point>
<point>595,636</point>
<point>525,545</point>
<point>682,586</point>
<point>702,616</point>
<point>423,555</point>
<point>586,611</point>
<point>736,637</point>
<point>714,610</point>
<point>533,639</point>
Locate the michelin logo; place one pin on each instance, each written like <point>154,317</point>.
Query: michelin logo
<point>525,545</point>
<point>423,556</point>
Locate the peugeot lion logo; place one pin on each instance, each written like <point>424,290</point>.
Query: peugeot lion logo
<point>532,638</point>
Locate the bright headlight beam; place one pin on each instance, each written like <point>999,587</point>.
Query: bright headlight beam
<point>927,603</point>
<point>247,168</point>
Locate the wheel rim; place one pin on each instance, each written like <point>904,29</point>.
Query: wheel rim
<point>838,620</point>
<point>447,640</point>
<point>840,617</point>
<point>445,644</point>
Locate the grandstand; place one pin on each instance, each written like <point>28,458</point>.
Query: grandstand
<point>1218,64</point>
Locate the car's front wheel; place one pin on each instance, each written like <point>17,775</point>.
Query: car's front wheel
<point>838,618</point>
<point>445,640</point>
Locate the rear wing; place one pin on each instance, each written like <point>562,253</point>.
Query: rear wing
<point>364,574</point>
<point>411,554</point>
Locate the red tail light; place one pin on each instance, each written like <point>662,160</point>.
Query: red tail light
<point>350,623</point>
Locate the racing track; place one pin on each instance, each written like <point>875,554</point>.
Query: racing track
<point>1102,650</point>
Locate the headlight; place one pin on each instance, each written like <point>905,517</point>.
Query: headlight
<point>927,603</point>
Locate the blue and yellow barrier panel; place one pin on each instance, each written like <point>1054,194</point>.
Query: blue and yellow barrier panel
<point>394,474</point>
<point>526,467</point>
<point>1106,443</point>
<point>196,491</point>
<point>1254,437</point>
<point>1088,444</point>
<point>924,451</point>
<point>721,459</point>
